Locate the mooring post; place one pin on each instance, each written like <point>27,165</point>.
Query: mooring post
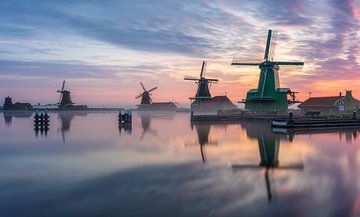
<point>354,117</point>
<point>291,121</point>
<point>129,115</point>
<point>120,118</point>
<point>36,116</point>
<point>46,118</point>
<point>41,122</point>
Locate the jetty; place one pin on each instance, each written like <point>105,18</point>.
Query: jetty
<point>327,122</point>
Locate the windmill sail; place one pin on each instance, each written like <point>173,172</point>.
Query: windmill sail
<point>65,98</point>
<point>268,97</point>
<point>145,96</point>
<point>203,92</point>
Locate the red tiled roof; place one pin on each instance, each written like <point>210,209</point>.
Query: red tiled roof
<point>321,101</point>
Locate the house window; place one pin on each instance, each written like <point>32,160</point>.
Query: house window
<point>341,106</point>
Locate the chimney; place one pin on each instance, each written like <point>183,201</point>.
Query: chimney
<point>340,94</point>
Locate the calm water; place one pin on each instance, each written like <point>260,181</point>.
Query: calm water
<point>165,166</point>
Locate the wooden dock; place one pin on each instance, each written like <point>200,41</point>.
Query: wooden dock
<point>235,117</point>
<point>315,123</point>
<point>336,122</point>
<point>283,121</point>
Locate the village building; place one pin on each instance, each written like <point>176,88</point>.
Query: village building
<point>330,104</point>
<point>8,105</point>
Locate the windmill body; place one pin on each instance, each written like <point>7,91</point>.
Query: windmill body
<point>65,102</point>
<point>145,99</point>
<point>147,104</point>
<point>203,92</point>
<point>268,97</point>
<point>203,101</point>
<point>66,98</point>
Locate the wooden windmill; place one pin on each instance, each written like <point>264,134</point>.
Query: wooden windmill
<point>65,98</point>
<point>145,96</point>
<point>203,92</point>
<point>268,96</point>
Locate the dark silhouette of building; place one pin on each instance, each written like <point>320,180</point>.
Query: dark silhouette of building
<point>8,105</point>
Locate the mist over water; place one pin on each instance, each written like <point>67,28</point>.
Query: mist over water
<point>164,165</point>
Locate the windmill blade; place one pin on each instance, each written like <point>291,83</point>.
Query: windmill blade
<point>288,63</point>
<point>191,78</point>
<point>155,88</point>
<point>246,61</point>
<point>212,79</point>
<point>142,85</point>
<point>298,166</point>
<point>268,43</point>
<point>63,86</point>
<point>272,45</point>
<point>140,95</point>
<point>291,69</point>
<point>61,94</point>
<point>245,166</point>
<point>203,69</point>
<point>203,154</point>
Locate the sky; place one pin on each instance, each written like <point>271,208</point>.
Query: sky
<point>103,49</point>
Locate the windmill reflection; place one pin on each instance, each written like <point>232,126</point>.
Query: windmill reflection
<point>203,131</point>
<point>8,119</point>
<point>145,118</point>
<point>269,146</point>
<point>10,115</point>
<point>66,117</point>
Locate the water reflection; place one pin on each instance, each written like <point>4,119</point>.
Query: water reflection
<point>66,118</point>
<point>269,146</point>
<point>203,131</point>
<point>96,170</point>
<point>350,133</point>
<point>9,115</point>
<point>146,118</point>
<point>41,131</point>
<point>125,127</point>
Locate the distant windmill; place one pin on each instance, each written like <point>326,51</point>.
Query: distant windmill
<point>145,96</point>
<point>203,92</point>
<point>268,96</point>
<point>65,98</point>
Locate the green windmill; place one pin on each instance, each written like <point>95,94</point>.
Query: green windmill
<point>268,97</point>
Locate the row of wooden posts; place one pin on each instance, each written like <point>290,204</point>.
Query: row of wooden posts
<point>42,119</point>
